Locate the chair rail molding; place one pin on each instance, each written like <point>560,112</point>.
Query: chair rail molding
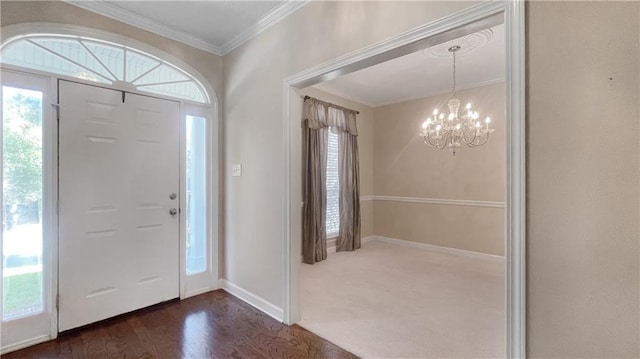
<point>475,18</point>
<point>440,201</point>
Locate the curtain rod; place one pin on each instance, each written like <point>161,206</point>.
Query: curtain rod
<point>331,104</point>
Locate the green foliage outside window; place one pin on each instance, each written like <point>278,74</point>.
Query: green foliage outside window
<point>22,150</point>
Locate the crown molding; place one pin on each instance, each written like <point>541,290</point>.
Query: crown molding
<point>417,96</point>
<point>130,18</point>
<point>269,19</point>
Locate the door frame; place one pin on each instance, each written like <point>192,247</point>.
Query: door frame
<point>50,163</point>
<point>447,28</point>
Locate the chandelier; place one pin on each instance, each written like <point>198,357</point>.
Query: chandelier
<point>452,129</point>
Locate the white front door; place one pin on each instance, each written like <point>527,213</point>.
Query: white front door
<point>119,187</point>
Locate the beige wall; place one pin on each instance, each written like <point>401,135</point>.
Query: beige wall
<point>365,151</point>
<point>583,181</point>
<point>405,167</point>
<point>320,31</point>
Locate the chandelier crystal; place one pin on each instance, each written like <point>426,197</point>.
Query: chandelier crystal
<point>456,126</point>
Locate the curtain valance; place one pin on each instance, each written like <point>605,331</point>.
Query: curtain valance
<point>319,114</point>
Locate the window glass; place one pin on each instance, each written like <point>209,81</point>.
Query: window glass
<point>111,56</point>
<point>333,187</point>
<point>139,65</point>
<point>182,89</point>
<point>162,74</point>
<point>103,62</point>
<point>22,202</point>
<point>25,53</point>
<point>73,51</point>
<point>196,194</point>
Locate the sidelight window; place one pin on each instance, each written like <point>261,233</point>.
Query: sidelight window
<point>196,194</point>
<point>22,202</point>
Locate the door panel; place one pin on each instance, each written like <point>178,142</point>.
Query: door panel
<point>119,163</point>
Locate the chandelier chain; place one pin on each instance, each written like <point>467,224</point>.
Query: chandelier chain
<point>453,90</point>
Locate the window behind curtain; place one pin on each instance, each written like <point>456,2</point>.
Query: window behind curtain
<point>333,187</point>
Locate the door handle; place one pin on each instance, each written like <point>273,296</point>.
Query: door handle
<point>173,211</point>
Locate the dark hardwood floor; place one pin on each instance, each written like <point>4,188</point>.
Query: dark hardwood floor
<point>212,325</point>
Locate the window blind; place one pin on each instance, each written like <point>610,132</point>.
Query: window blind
<point>333,187</point>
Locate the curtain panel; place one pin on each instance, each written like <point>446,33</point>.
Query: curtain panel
<point>319,117</point>
<point>314,231</point>
<point>349,177</point>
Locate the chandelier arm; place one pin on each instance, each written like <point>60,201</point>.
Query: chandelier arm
<point>486,139</point>
<point>437,144</point>
<point>427,141</point>
<point>445,139</point>
<point>467,141</point>
<point>465,135</point>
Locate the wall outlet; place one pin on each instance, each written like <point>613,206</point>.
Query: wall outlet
<point>236,170</point>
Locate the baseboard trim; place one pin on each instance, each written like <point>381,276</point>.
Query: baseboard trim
<point>24,344</point>
<point>434,248</point>
<point>255,301</point>
<point>331,243</point>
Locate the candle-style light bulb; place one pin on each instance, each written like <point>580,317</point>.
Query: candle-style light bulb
<point>435,112</point>
<point>468,107</point>
<point>487,120</point>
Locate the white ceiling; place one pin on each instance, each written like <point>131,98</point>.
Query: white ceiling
<point>214,26</point>
<point>422,74</point>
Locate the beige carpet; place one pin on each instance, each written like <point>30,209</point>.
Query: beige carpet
<point>393,301</point>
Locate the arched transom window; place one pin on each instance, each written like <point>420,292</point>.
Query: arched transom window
<point>102,62</point>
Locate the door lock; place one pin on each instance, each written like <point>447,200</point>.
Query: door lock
<point>173,211</point>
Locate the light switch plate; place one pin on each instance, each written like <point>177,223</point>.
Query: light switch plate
<point>236,170</point>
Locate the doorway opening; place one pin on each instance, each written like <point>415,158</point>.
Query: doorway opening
<point>481,17</point>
